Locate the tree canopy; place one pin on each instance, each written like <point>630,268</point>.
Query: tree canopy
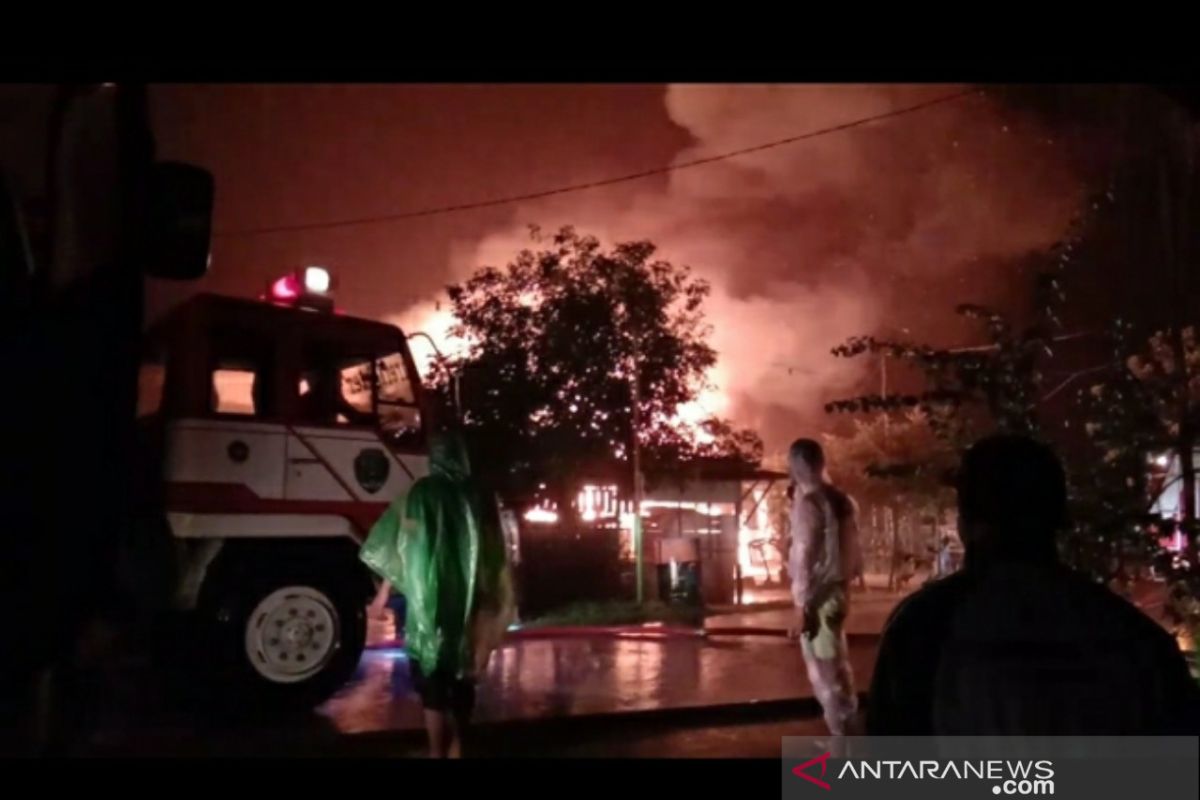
<point>573,349</point>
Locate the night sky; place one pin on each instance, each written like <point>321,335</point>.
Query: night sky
<point>882,227</point>
<point>302,153</point>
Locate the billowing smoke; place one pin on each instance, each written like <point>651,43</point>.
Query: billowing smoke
<point>881,227</point>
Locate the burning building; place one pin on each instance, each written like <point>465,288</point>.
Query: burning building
<point>709,521</point>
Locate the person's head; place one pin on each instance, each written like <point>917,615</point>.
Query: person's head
<point>1012,499</point>
<point>806,460</point>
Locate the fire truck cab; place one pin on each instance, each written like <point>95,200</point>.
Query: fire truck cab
<point>282,429</point>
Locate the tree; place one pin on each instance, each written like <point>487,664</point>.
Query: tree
<point>969,391</point>
<point>574,353</point>
<point>898,465</point>
<point>1141,409</point>
<point>1147,402</point>
<point>898,456</point>
<point>1148,398</point>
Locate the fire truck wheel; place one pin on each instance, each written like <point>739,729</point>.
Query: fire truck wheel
<point>289,641</point>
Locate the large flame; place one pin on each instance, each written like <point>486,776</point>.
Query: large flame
<point>436,322</point>
<point>711,401</point>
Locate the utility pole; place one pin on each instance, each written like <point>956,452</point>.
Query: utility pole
<point>635,450</point>
<point>636,460</point>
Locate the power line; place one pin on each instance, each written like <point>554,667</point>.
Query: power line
<point>987,348</point>
<point>579,187</point>
<point>1073,377</point>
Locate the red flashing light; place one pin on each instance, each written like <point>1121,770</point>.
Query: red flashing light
<point>286,288</point>
<point>307,288</point>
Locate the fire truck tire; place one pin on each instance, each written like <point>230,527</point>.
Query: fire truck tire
<point>285,640</point>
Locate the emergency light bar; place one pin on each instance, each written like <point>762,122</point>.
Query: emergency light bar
<point>309,287</point>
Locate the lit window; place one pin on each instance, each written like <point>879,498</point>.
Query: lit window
<point>233,391</point>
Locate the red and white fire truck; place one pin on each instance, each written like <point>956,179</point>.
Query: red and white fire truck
<point>282,429</point>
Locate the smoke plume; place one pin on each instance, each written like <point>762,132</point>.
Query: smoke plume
<point>878,228</point>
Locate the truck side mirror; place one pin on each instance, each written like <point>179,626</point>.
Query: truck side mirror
<point>179,233</point>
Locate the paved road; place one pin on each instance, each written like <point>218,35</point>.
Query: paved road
<point>561,693</point>
<point>540,679</point>
<point>560,689</point>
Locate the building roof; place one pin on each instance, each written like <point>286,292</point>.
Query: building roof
<point>702,469</point>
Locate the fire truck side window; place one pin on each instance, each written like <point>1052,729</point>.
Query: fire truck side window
<point>233,391</point>
<point>242,375</point>
<point>398,413</point>
<point>394,386</point>
<point>336,389</point>
<point>356,386</point>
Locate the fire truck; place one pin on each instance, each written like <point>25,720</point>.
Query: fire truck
<point>276,431</point>
<point>270,433</point>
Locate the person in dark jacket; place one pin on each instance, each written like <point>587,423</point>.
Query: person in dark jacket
<point>1015,642</point>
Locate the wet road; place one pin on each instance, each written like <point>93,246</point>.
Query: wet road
<point>570,694</point>
<point>679,697</point>
<point>589,695</point>
<point>549,678</point>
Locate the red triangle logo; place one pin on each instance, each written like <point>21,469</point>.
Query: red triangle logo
<point>800,773</point>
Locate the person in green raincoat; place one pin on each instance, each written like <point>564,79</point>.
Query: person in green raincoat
<point>442,546</point>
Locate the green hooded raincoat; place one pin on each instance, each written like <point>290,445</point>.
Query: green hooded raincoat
<point>441,545</point>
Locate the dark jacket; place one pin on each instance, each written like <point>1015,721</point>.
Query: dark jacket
<point>1021,649</point>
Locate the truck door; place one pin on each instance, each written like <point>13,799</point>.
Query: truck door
<point>355,415</point>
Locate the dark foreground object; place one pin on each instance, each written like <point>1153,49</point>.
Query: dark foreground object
<point>733,731</point>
